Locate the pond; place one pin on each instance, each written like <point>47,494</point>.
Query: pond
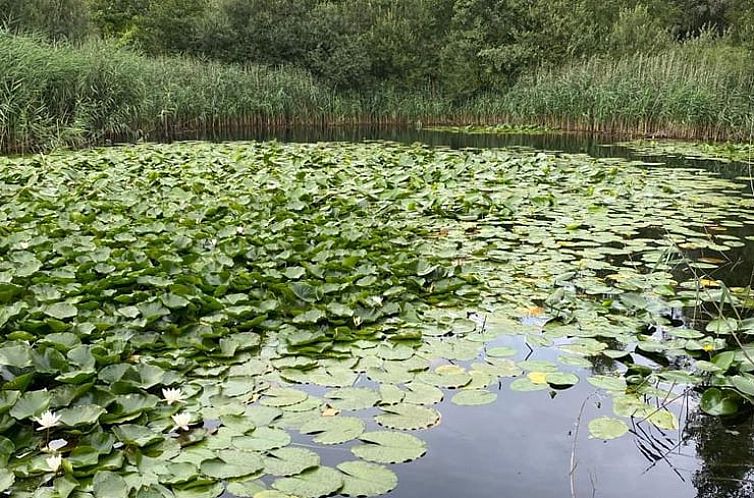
<point>509,315</point>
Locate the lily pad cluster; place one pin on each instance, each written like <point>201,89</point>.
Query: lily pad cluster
<point>500,129</point>
<point>176,319</point>
<point>723,152</point>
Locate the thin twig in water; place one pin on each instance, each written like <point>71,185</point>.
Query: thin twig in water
<point>572,473</point>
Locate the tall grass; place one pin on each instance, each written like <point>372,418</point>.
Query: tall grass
<point>702,89</point>
<point>59,95</point>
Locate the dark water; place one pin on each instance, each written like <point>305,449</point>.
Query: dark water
<point>523,444</point>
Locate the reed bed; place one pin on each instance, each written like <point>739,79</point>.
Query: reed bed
<point>65,96</point>
<point>698,90</point>
<point>59,95</point>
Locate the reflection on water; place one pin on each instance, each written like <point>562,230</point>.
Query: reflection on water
<point>523,445</point>
<point>725,455</point>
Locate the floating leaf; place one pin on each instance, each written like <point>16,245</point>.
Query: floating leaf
<point>283,396</point>
<point>334,430</point>
<point>366,479</point>
<point>262,439</point>
<point>720,402</point>
<point>389,447</point>
<point>110,485</point>
<point>408,417</point>
<point>353,398</point>
<point>473,398</point>
<point>61,311</point>
<point>289,461</point>
<point>31,404</point>
<point>526,384</point>
<point>607,428</point>
<point>315,483</point>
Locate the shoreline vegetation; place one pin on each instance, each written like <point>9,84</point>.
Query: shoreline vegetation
<point>93,86</point>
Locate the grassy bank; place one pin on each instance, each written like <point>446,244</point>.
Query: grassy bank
<point>700,90</point>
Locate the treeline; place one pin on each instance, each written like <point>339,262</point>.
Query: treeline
<point>74,72</point>
<point>462,47</point>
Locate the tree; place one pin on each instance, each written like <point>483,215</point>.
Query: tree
<point>53,19</point>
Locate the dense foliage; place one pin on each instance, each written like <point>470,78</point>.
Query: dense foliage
<point>570,64</point>
<point>461,45</point>
<point>174,315</point>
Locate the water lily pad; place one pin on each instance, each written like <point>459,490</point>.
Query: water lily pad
<point>720,402</point>
<point>446,376</point>
<point>407,417</point>
<point>501,352</point>
<point>283,396</point>
<point>366,479</point>
<point>262,439</point>
<point>418,393</point>
<point>389,447</point>
<point>334,430</point>
<point>353,398</point>
<point>525,384</point>
<point>286,462</point>
<point>474,397</point>
<point>314,483</point>
<point>607,428</point>
<point>109,485</point>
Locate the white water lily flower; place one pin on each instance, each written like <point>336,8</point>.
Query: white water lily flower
<point>182,420</point>
<point>173,396</point>
<point>54,462</point>
<point>48,420</point>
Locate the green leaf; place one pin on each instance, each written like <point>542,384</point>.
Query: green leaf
<point>473,398</point>
<point>246,488</point>
<point>389,447</point>
<point>81,415</point>
<point>562,379</point>
<point>720,402</point>
<point>109,485</point>
<point>262,439</point>
<point>353,398</point>
<point>418,393</point>
<point>612,384</point>
<point>31,404</point>
<point>314,483</point>
<point>7,478</point>
<point>61,311</point>
<point>446,376</point>
<point>220,469</point>
<point>722,326</point>
<point>136,435</point>
<point>366,479</point>
<point>286,462</point>
<point>334,430</point>
<point>607,428</point>
<point>18,356</point>
<point>525,385</point>
<point>501,352</point>
<point>283,396</point>
<point>408,417</point>
<point>744,384</point>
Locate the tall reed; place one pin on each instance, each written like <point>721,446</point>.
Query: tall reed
<point>701,89</point>
<point>59,95</point>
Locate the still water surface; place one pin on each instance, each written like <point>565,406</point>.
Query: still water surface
<point>523,445</point>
